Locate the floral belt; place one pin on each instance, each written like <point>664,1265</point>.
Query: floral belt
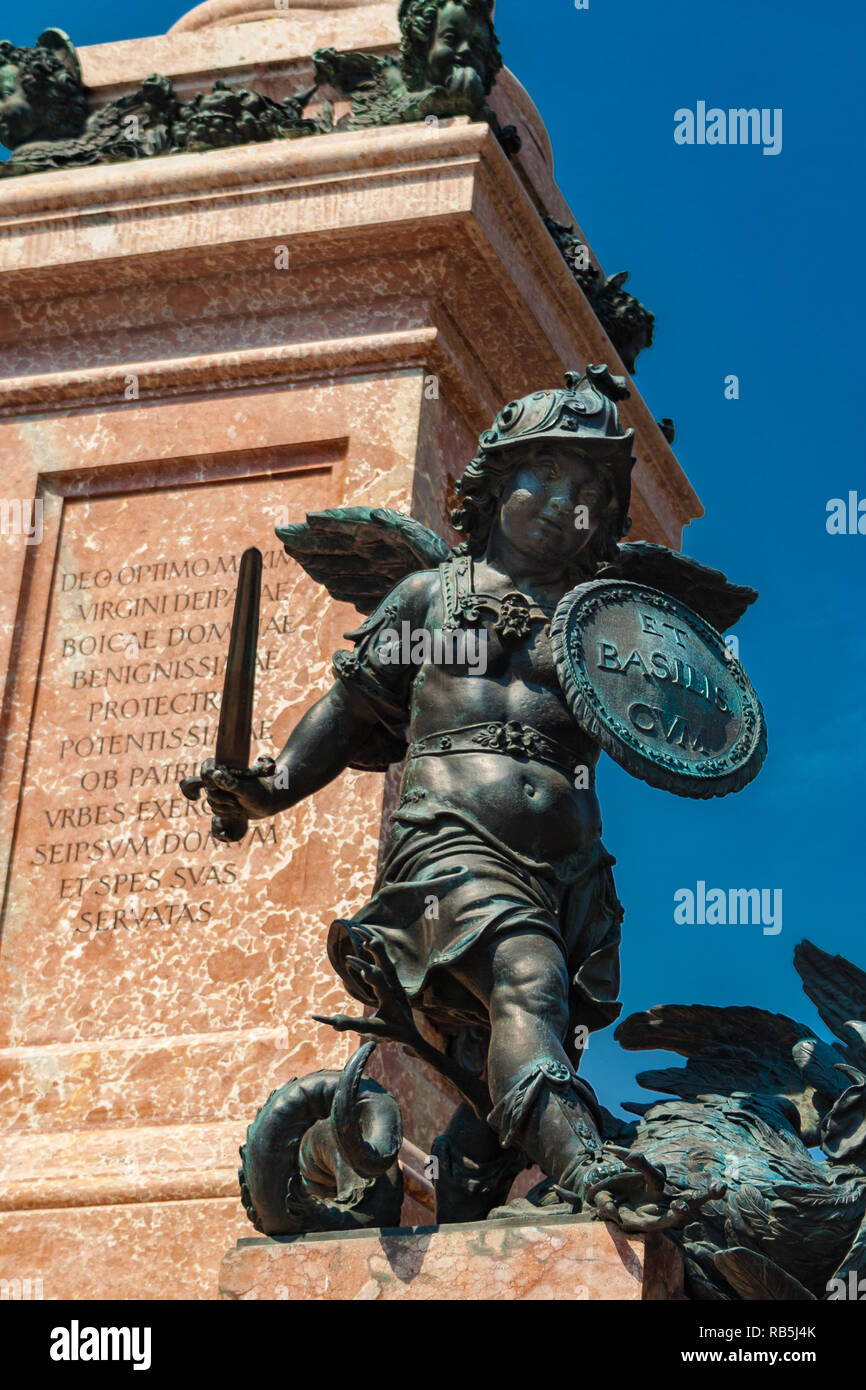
<point>513,739</point>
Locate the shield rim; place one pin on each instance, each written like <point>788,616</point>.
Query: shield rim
<point>586,706</point>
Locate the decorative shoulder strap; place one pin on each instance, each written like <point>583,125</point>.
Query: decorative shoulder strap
<point>456,577</point>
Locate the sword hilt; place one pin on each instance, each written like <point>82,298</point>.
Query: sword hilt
<point>229,829</point>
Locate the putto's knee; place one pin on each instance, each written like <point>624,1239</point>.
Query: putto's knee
<point>533,987</point>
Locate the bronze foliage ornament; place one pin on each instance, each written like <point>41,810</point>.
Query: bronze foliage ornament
<point>44,116</point>
<point>626,321</point>
<point>448,63</point>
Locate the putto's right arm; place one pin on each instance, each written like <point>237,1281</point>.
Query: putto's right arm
<point>360,722</point>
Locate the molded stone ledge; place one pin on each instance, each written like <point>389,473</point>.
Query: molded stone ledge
<point>554,1258</point>
<point>336,195</point>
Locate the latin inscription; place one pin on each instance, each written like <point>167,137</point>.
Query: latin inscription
<point>144,671</point>
<point>666,667</point>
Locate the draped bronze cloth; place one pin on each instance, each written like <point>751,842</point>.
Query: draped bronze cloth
<point>446,885</point>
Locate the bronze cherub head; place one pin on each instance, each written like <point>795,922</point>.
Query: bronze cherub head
<point>578,427</point>
<point>42,95</point>
<point>449,44</point>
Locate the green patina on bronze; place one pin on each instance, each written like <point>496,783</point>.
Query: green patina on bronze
<point>448,62</point>
<point>624,319</point>
<point>518,958</point>
<point>44,119</point>
<point>449,58</point>
<point>759,1094</point>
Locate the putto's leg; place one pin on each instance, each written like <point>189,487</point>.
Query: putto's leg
<point>541,1105</point>
<point>474,1172</point>
<point>528,1007</point>
<point>538,1102</point>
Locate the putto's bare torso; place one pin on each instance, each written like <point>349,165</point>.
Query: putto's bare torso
<point>540,810</point>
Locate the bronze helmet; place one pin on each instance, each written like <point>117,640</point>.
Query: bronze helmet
<point>582,414</point>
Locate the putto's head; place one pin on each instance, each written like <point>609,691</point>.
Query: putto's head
<point>42,96</point>
<point>450,44</point>
<point>553,473</point>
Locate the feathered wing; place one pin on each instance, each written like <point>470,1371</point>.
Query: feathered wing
<point>838,990</point>
<point>760,1059</point>
<point>373,82</point>
<point>754,1276</point>
<point>706,590</point>
<point>349,71</point>
<point>772,1054</point>
<point>360,553</point>
<point>754,1099</point>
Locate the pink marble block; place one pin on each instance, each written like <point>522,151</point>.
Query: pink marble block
<point>557,1258</point>
<point>194,349</point>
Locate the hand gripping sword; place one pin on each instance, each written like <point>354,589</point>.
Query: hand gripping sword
<point>232,750</point>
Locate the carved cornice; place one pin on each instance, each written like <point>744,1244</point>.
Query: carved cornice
<point>156,221</point>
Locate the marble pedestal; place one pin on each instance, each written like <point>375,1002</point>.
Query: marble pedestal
<point>557,1258</point>
<point>194,349</point>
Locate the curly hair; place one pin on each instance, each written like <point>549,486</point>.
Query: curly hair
<point>483,483</point>
<point>417,27</point>
<point>52,90</point>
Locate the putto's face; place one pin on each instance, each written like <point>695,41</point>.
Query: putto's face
<point>459,50</point>
<point>551,506</point>
<point>18,120</point>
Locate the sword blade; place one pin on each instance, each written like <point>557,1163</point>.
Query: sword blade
<point>234,731</point>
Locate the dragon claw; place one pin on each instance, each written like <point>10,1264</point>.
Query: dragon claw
<point>634,1194</point>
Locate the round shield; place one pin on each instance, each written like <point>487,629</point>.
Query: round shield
<point>657,687</point>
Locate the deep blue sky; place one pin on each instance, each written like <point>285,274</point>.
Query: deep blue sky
<point>752,265</point>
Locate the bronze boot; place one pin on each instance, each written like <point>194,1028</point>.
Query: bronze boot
<point>552,1115</point>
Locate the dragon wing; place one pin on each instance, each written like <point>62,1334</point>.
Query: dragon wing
<point>754,1276</point>
<point>838,990</point>
<point>772,1054</point>
<point>706,590</point>
<point>360,553</point>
